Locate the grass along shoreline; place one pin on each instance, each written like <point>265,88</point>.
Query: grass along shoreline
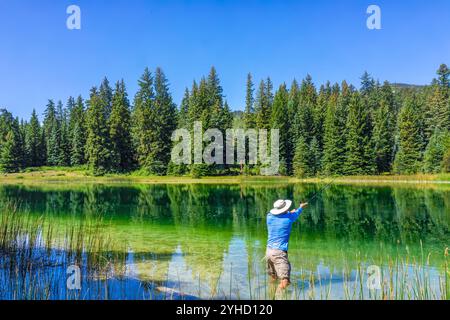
<point>81,175</point>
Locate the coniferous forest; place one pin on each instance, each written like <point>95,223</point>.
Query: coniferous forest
<point>334,129</point>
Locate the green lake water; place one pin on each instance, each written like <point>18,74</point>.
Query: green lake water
<point>208,241</point>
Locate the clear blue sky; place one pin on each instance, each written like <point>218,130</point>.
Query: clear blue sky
<point>40,58</point>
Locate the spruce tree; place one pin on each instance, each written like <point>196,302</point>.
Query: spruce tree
<point>165,123</point>
<point>34,145</point>
<point>435,151</point>
<point>263,106</point>
<point>77,133</point>
<point>10,153</point>
<point>280,121</point>
<point>300,163</point>
<point>11,144</point>
<point>64,144</point>
<point>120,130</point>
<point>143,120</point>
<point>292,106</point>
<point>409,155</point>
<point>106,95</point>
<point>334,132</point>
<point>98,144</point>
<point>249,113</point>
<point>359,149</point>
<point>52,132</point>
<point>384,128</point>
<point>303,121</point>
<point>183,114</point>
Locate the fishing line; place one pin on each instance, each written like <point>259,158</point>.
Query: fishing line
<point>323,189</point>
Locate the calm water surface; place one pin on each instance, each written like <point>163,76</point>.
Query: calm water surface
<point>208,241</point>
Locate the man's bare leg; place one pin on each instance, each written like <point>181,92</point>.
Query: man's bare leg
<point>284,284</point>
<point>281,290</point>
<point>272,286</point>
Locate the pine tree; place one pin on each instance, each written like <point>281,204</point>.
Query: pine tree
<point>303,118</point>
<point>435,151</point>
<point>263,106</point>
<point>52,133</point>
<point>409,155</point>
<point>292,106</point>
<point>334,131</point>
<point>359,149</point>
<point>301,162</point>
<point>280,121</point>
<point>98,145</point>
<point>367,84</point>
<point>320,112</point>
<point>77,133</point>
<point>383,132</point>
<point>444,76</point>
<point>11,144</point>
<point>183,114</point>
<point>106,95</point>
<point>315,157</point>
<point>120,130</point>
<point>165,117</point>
<point>64,144</point>
<point>143,119</point>
<point>10,154</point>
<point>34,145</point>
<point>249,113</point>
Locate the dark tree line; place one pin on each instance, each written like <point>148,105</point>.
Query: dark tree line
<point>335,130</point>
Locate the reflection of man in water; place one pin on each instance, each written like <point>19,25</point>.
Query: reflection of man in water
<point>279,225</point>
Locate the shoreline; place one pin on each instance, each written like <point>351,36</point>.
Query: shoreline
<point>62,176</point>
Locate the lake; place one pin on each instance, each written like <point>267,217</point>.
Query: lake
<point>208,241</point>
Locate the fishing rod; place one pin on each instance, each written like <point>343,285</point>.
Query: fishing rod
<point>323,189</point>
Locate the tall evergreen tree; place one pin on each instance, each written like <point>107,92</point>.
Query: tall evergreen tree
<point>300,164</point>
<point>106,95</point>
<point>384,128</point>
<point>166,122</point>
<point>304,118</point>
<point>64,144</point>
<point>359,148</point>
<point>34,144</point>
<point>334,131</point>
<point>98,144</point>
<point>143,119</point>
<point>10,153</point>
<point>292,106</point>
<point>280,121</point>
<point>183,114</point>
<point>435,152</point>
<point>409,155</point>
<point>52,133</point>
<point>120,130</point>
<point>77,133</point>
<point>249,113</point>
<point>263,106</point>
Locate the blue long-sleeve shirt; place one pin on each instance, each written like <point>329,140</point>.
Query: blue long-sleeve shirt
<point>279,228</point>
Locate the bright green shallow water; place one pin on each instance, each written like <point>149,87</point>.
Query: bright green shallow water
<point>208,240</point>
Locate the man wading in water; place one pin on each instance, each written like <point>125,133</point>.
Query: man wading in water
<point>279,225</point>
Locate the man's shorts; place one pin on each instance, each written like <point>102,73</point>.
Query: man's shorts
<point>278,264</point>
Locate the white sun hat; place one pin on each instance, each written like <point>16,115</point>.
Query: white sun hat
<point>281,206</point>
